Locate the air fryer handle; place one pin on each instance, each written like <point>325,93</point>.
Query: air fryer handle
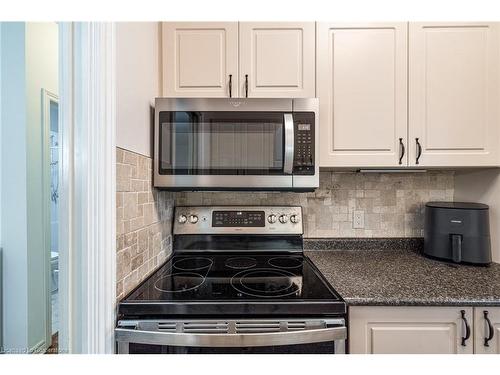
<point>456,247</point>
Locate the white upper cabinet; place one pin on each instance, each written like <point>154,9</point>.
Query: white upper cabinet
<point>362,90</point>
<point>453,94</point>
<point>277,59</point>
<point>200,59</point>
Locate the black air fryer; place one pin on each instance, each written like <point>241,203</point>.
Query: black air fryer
<point>458,232</point>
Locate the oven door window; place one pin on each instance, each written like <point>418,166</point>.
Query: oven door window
<point>221,143</point>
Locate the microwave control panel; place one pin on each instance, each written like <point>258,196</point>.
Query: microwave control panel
<point>303,163</point>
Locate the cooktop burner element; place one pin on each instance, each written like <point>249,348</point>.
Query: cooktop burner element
<point>241,263</point>
<point>265,283</point>
<point>287,262</point>
<point>179,282</point>
<point>193,264</point>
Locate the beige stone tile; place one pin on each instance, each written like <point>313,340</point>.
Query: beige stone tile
<point>136,185</point>
<point>123,184</point>
<point>136,223</point>
<point>137,261</point>
<point>123,171</point>
<point>119,200</point>
<point>130,206</point>
<point>142,197</point>
<point>119,155</point>
<point>130,158</point>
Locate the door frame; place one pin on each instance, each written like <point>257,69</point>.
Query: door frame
<point>87,210</point>
<point>47,98</point>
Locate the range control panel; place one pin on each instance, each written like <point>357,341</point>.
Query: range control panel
<point>238,220</point>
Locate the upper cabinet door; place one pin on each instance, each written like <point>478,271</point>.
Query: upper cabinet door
<point>362,90</point>
<point>453,94</point>
<point>200,59</point>
<point>277,59</point>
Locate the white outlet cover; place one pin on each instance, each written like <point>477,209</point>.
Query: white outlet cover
<point>358,220</point>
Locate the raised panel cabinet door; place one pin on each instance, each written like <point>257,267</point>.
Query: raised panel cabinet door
<point>454,94</point>
<point>487,330</point>
<point>410,330</point>
<point>277,59</point>
<point>362,90</point>
<point>200,59</point>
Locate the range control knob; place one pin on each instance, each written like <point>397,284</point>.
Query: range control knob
<point>182,219</point>
<point>271,218</point>
<point>283,219</point>
<point>193,219</point>
<point>295,219</point>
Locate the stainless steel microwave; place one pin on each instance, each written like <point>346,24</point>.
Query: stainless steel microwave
<point>236,144</point>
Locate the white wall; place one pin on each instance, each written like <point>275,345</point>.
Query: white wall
<point>41,73</point>
<point>482,186</point>
<point>14,208</point>
<point>29,63</point>
<point>137,83</point>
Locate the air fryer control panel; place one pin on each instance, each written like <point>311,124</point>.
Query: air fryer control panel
<point>303,163</point>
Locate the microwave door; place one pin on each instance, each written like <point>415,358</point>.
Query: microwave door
<point>225,150</point>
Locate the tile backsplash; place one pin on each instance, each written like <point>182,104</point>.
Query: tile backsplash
<point>393,203</point>
<point>143,221</point>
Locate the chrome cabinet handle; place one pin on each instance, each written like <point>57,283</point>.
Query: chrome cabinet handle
<point>419,151</point>
<point>246,85</point>
<point>401,151</point>
<point>230,85</point>
<point>467,328</point>
<point>289,144</point>
<point>124,336</point>
<point>491,331</point>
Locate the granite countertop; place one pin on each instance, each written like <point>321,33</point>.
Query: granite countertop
<point>395,273</point>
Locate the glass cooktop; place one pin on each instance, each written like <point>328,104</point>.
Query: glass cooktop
<point>204,283</point>
<point>234,277</point>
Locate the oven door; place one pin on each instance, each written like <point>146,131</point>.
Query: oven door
<point>246,336</point>
<point>224,149</point>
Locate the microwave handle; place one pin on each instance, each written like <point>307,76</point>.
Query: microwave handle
<point>289,144</point>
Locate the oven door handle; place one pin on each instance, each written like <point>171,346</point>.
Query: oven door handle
<point>125,336</point>
<point>289,144</point>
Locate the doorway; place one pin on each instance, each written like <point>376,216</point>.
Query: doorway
<point>50,105</point>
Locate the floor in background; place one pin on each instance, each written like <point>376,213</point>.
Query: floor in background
<point>54,348</point>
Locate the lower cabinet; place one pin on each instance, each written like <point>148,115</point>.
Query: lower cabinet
<point>411,330</point>
<point>487,330</point>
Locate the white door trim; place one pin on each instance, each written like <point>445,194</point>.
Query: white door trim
<point>88,189</point>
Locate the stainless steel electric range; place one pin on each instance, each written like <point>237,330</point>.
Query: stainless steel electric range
<point>237,282</point>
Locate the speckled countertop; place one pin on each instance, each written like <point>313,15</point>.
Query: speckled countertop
<point>401,276</point>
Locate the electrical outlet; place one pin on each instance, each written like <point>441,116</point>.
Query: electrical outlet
<point>358,220</point>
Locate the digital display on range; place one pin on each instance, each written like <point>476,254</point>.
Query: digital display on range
<point>238,219</point>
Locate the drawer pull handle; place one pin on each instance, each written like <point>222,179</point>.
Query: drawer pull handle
<point>491,331</point>
<point>419,151</point>
<point>246,85</point>
<point>402,151</point>
<point>467,328</point>
<point>230,85</point>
